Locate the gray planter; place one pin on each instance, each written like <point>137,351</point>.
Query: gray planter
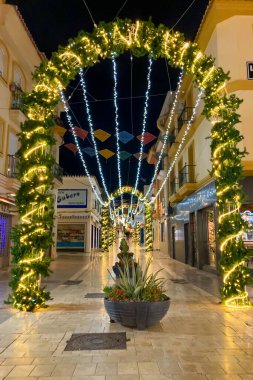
<point>140,314</point>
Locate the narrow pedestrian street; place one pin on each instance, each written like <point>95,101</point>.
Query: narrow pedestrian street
<point>198,339</point>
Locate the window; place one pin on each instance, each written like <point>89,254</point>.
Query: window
<point>3,62</point>
<point>17,87</point>
<point>162,231</point>
<point>1,136</point>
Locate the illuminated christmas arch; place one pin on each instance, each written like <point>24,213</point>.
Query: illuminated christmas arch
<point>33,237</point>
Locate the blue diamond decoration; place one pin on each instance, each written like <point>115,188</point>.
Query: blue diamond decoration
<point>89,151</point>
<point>124,155</point>
<point>125,137</point>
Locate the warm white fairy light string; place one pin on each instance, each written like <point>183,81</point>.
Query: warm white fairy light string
<point>188,126</point>
<point>115,96</point>
<point>90,122</point>
<point>78,146</point>
<point>144,123</point>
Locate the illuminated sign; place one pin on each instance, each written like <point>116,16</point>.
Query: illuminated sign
<point>72,198</point>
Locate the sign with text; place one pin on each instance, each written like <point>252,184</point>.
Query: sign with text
<point>72,198</point>
<point>249,70</point>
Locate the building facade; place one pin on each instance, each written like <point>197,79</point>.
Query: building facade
<point>78,215</point>
<point>225,34</point>
<point>19,56</point>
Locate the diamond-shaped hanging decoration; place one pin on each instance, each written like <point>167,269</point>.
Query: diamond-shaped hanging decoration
<point>137,155</point>
<point>71,147</point>
<point>125,137</point>
<point>101,135</point>
<point>148,137</point>
<point>124,155</point>
<point>106,153</point>
<point>89,151</point>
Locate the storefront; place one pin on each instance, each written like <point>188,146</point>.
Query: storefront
<point>6,216</point>
<point>78,218</point>
<point>194,225</point>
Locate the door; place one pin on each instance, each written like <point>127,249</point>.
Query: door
<point>186,242</point>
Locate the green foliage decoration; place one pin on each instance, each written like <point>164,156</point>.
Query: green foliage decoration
<point>108,39</point>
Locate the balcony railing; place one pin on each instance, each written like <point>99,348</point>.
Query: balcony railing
<point>16,96</point>
<point>184,117</point>
<point>186,175</point>
<point>12,166</point>
<point>173,186</point>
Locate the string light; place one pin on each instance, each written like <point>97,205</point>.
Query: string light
<point>188,126</point>
<point>115,95</point>
<point>78,147</point>
<point>87,107</point>
<point>168,127</point>
<point>144,123</point>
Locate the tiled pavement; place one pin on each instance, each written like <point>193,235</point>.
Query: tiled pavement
<point>199,339</point>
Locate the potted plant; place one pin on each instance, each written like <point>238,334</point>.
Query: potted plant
<point>124,257</point>
<point>136,299</point>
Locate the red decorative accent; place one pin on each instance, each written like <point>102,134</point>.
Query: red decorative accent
<point>81,133</point>
<point>71,147</point>
<point>148,137</point>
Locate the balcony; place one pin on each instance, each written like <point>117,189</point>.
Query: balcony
<point>12,166</point>
<point>184,117</point>
<point>174,197</point>
<point>16,114</point>
<point>186,183</point>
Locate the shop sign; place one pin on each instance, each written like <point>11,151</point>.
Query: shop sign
<point>72,198</point>
<point>249,70</point>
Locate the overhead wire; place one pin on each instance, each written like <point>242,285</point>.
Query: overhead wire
<point>120,10</point>
<point>95,25</point>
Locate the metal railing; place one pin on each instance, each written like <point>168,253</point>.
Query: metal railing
<point>12,166</point>
<point>186,175</point>
<point>184,117</point>
<point>16,96</point>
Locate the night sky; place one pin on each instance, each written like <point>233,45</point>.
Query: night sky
<point>53,22</point>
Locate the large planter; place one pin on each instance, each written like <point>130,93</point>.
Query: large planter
<point>140,314</point>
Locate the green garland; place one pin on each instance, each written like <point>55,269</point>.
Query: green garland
<point>105,223</point>
<point>141,38</point>
<point>148,227</point>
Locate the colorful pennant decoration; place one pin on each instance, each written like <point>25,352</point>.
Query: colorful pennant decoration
<point>101,135</point>
<point>71,147</point>
<point>89,151</point>
<point>148,137</point>
<point>80,132</point>
<point>106,153</point>
<point>137,155</point>
<point>124,155</point>
<point>125,137</point>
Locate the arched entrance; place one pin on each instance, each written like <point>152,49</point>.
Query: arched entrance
<point>33,236</point>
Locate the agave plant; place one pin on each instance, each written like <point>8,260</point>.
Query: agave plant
<point>135,283</point>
